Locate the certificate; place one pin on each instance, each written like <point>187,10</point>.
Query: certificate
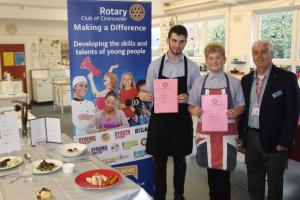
<point>214,116</point>
<point>165,96</point>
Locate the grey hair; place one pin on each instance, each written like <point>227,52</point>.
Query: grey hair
<point>264,42</point>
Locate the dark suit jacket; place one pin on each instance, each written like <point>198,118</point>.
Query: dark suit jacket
<point>278,115</point>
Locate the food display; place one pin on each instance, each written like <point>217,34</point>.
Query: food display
<point>8,162</point>
<point>4,162</point>
<point>72,150</point>
<point>98,179</point>
<point>45,166</point>
<point>101,180</point>
<point>44,194</point>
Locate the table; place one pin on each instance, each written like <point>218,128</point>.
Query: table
<point>61,94</point>
<point>62,185</point>
<point>6,99</point>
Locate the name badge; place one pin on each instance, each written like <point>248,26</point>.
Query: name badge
<point>277,93</point>
<point>255,112</point>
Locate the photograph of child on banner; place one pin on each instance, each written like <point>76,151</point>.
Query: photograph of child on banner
<point>110,117</point>
<point>141,108</point>
<point>110,82</point>
<point>127,91</point>
<point>83,111</point>
<point>109,107</point>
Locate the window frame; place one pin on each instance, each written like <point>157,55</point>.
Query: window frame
<point>294,59</point>
<point>204,35</point>
<point>156,26</point>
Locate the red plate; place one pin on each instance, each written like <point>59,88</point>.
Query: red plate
<point>81,179</point>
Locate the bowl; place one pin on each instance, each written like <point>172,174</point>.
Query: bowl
<point>72,149</point>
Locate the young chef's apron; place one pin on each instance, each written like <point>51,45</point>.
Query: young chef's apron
<point>217,150</point>
<point>171,133</point>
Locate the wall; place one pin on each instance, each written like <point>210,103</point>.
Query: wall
<point>28,33</point>
<point>241,25</point>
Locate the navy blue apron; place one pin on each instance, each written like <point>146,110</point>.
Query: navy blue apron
<point>171,134</point>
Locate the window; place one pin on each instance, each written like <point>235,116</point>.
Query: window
<point>277,28</point>
<point>155,40</point>
<point>215,31</point>
<point>193,42</point>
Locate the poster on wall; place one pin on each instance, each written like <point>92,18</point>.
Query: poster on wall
<point>19,58</point>
<point>8,59</point>
<point>50,51</point>
<point>110,50</point>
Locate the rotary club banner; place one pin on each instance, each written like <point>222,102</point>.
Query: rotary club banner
<point>110,50</point>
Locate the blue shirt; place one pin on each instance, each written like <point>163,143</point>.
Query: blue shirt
<point>171,70</point>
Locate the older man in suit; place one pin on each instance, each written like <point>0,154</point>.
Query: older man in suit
<point>269,123</point>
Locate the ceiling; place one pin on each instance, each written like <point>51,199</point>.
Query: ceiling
<point>63,3</point>
<point>159,7</point>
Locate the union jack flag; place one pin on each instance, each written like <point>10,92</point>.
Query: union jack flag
<point>217,150</point>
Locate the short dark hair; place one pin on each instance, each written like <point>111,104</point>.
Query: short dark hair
<point>179,30</point>
<point>140,83</point>
<point>111,94</point>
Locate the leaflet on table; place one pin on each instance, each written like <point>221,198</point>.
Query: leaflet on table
<point>45,128</point>
<point>9,133</point>
<point>214,116</point>
<point>165,96</point>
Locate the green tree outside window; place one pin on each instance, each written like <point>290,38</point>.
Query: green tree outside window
<point>277,29</point>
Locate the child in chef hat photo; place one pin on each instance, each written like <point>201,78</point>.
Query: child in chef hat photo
<point>83,111</point>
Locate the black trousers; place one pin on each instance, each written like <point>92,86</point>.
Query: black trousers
<point>259,165</point>
<point>219,184</point>
<point>160,176</point>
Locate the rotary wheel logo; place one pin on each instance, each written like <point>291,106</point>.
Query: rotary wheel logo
<point>165,84</point>
<point>137,12</point>
<point>214,101</point>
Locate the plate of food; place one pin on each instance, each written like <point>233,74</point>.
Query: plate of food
<point>8,162</point>
<point>46,166</point>
<point>98,179</point>
<point>72,149</point>
<point>44,194</point>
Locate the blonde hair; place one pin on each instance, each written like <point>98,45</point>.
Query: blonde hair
<point>113,79</point>
<point>213,47</point>
<point>132,80</point>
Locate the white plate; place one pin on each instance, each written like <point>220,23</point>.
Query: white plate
<point>20,160</point>
<point>36,163</point>
<point>63,150</point>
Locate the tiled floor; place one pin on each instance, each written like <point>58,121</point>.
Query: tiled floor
<point>196,181</point>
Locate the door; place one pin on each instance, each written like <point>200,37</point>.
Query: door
<point>12,58</point>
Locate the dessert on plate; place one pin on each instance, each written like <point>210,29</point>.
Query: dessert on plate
<point>44,194</point>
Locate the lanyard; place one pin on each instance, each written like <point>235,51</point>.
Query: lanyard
<point>259,85</point>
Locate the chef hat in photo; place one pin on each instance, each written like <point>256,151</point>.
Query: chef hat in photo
<point>78,79</point>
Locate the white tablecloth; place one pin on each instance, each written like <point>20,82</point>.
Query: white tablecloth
<point>63,185</point>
